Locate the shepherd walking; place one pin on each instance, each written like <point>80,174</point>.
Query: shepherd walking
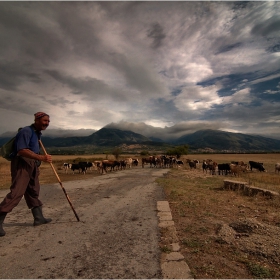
<point>25,171</point>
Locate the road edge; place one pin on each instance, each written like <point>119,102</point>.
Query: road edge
<point>173,264</point>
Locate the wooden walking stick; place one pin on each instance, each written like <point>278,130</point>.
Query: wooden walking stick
<point>60,182</point>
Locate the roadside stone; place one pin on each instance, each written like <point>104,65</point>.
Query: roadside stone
<point>174,256</point>
<point>173,265</point>
<point>175,247</point>
<point>165,216</point>
<point>176,270</point>
<point>164,224</point>
<point>163,206</point>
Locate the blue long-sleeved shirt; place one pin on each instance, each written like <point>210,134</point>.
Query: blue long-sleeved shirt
<point>27,138</point>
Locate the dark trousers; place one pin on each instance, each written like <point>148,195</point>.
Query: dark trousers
<point>25,182</point>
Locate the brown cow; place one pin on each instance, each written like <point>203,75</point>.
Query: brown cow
<point>213,167</point>
<point>235,169</point>
<point>109,164</point>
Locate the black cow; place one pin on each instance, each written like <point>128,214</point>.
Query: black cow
<point>277,167</point>
<point>204,166</point>
<point>257,165</point>
<point>223,168</point>
<point>153,161</point>
<point>166,162</point>
<point>77,166</point>
<point>135,161</point>
<point>122,164</point>
<point>192,164</point>
<point>86,165</point>
<point>116,164</point>
<point>90,165</point>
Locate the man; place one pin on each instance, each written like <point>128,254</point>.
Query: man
<point>25,172</point>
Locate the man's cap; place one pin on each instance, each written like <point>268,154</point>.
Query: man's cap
<point>40,115</point>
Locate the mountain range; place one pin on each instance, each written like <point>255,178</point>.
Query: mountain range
<point>200,141</point>
<point>227,141</point>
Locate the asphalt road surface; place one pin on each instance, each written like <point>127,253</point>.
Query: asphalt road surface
<point>117,236</point>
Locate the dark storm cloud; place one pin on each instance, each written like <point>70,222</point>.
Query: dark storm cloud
<point>81,33</point>
<point>14,75</point>
<point>166,133</point>
<point>86,86</point>
<point>176,91</point>
<point>16,104</point>
<point>157,34</point>
<point>68,133</point>
<point>177,66</point>
<point>77,85</point>
<point>59,101</point>
<point>228,48</point>
<point>29,38</point>
<point>137,74</point>
<point>267,27</point>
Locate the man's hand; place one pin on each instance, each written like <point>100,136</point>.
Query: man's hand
<point>29,154</point>
<point>46,158</point>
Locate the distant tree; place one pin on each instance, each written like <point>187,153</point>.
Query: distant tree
<point>178,151</point>
<point>116,152</point>
<point>106,153</point>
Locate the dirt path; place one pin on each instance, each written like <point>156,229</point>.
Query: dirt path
<point>117,236</point>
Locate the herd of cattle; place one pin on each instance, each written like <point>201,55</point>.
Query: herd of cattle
<point>234,168</point>
<point>103,166</point>
<point>162,161</point>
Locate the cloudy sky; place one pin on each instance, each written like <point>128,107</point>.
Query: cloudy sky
<point>160,68</point>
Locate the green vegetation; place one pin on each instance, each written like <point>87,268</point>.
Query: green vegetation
<point>116,152</point>
<point>144,153</point>
<point>259,271</point>
<point>194,244</point>
<point>178,151</point>
<point>165,249</point>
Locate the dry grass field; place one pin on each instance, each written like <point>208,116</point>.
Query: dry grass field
<point>47,175</point>
<point>225,234</point>
<point>222,234</point>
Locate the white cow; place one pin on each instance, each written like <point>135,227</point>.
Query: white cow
<point>66,166</point>
<point>277,167</point>
<point>128,162</point>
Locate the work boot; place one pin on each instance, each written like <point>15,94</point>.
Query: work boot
<point>2,218</point>
<point>39,219</point>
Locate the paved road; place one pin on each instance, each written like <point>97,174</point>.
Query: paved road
<point>117,236</point>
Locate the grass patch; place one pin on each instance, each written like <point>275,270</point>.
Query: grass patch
<point>259,271</point>
<point>165,249</point>
<point>192,243</point>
